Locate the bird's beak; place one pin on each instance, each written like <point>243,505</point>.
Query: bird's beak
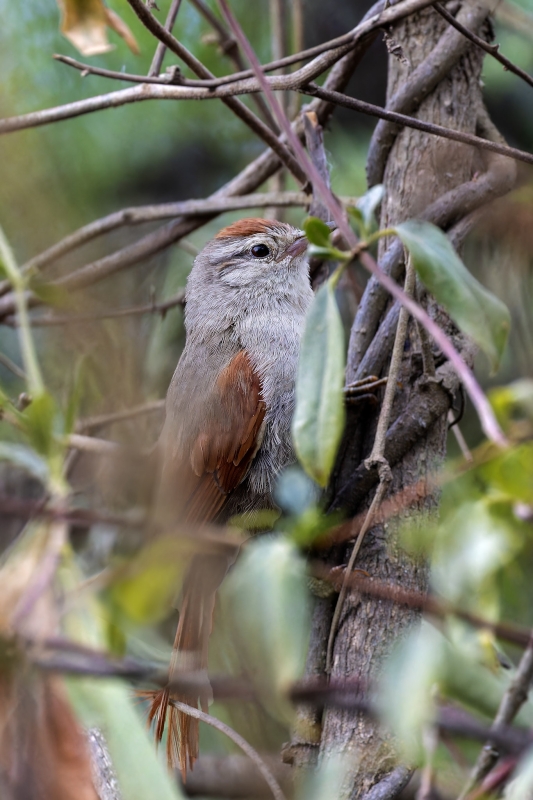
<point>297,248</point>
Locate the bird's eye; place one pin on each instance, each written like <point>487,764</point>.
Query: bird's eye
<point>260,251</point>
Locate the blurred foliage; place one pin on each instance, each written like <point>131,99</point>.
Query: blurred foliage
<point>56,178</point>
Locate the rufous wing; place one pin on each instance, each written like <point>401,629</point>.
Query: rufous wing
<point>221,455</point>
<point>219,459</point>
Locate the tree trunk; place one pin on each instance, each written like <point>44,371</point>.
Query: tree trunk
<point>436,73</point>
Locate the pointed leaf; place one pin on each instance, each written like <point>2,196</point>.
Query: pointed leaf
<point>319,416</point>
<point>267,592</point>
<point>364,212</point>
<point>317,232</point>
<point>26,458</point>
<point>474,309</point>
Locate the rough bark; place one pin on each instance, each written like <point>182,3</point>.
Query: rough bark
<point>419,170</point>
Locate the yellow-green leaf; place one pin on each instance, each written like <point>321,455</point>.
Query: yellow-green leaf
<point>474,309</point>
<point>319,416</point>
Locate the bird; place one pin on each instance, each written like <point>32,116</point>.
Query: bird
<point>227,430</point>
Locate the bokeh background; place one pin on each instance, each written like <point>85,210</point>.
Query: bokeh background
<point>59,177</point>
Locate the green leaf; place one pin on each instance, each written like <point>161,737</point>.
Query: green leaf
<point>268,597</point>
<point>521,784</point>
<point>474,309</point>
<point>110,706</point>
<point>331,780</point>
<point>317,232</point>
<point>320,414</point>
<point>319,235</point>
<point>26,458</point>
<point>40,417</point>
<point>512,472</point>
<point>146,587</point>
<point>51,294</point>
<point>364,212</point>
<point>513,400</point>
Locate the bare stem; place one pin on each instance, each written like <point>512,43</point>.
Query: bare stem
<point>238,740</point>
<point>29,356</point>
<point>161,48</point>
<point>486,415</point>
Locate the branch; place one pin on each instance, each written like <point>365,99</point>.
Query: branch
<point>411,122</point>
<point>420,83</point>
<point>100,421</point>
<point>146,92</point>
<point>135,215</point>
<point>246,181</point>
<point>161,48</point>
<point>238,740</point>
<point>516,634</point>
<point>513,699</point>
<point>237,106</point>
<point>52,320</point>
<point>491,49</point>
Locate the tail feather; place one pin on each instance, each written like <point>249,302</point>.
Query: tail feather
<point>189,654</point>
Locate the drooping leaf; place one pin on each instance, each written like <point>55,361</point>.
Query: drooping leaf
<point>329,781</point>
<point>521,784</point>
<point>268,597</point>
<point>145,588</point>
<point>319,416</point>
<point>474,309</point>
<point>85,22</point>
<point>40,418</point>
<point>26,458</point>
<point>317,231</point>
<point>511,472</point>
<point>364,211</point>
<point>319,236</point>
<point>49,293</point>
<point>513,400</point>
<point>110,706</point>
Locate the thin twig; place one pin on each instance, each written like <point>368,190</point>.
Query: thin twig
<point>380,491</point>
<point>411,122</point>
<point>161,48</point>
<point>102,420</point>
<point>230,48</point>
<point>486,415</point>
<point>90,444</point>
<point>491,49</point>
<point>136,215</point>
<point>377,456</point>
<point>11,366</point>
<point>513,699</point>
<point>125,77</point>
<point>238,740</point>
<point>460,439</point>
<point>295,81</point>
<point>237,106</point>
<point>52,320</point>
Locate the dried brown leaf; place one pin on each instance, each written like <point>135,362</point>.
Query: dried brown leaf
<point>43,750</point>
<point>85,24</point>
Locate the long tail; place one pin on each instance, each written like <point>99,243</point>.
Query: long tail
<point>190,654</point>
